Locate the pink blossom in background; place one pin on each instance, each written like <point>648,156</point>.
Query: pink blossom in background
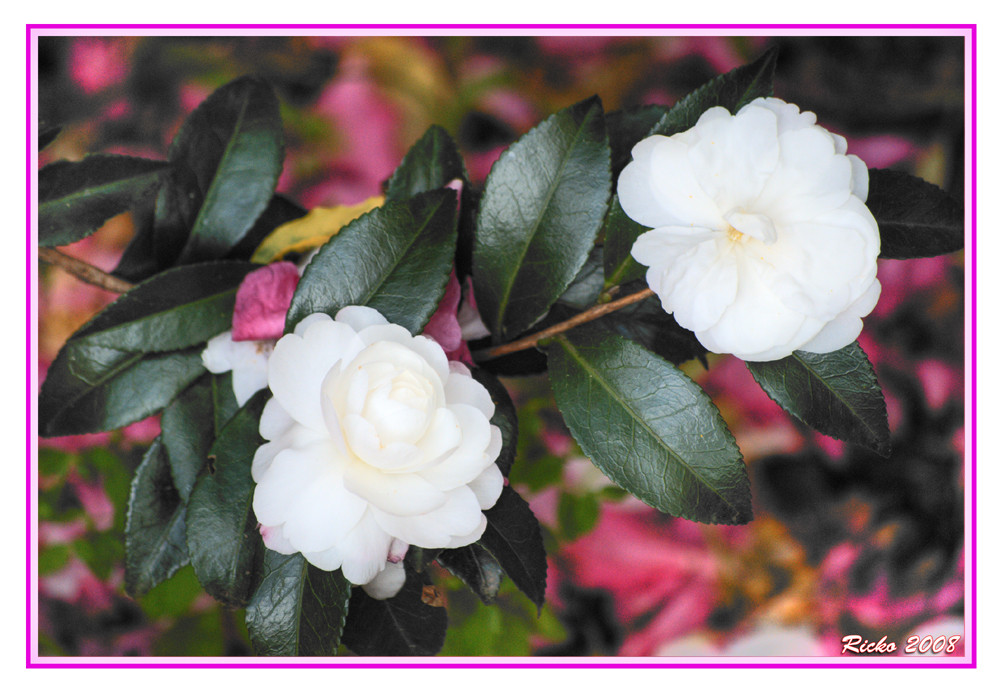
<point>654,568</point>
<point>97,63</point>
<point>443,325</point>
<point>882,151</point>
<point>76,584</point>
<point>900,279</point>
<point>364,124</point>
<point>262,300</point>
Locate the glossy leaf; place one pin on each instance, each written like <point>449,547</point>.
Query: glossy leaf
<point>542,207</point>
<point>431,163</point>
<point>915,218</point>
<point>91,388</point>
<point>504,417</point>
<point>154,530</point>
<point>279,211</point>
<point>225,547</point>
<point>620,234</point>
<point>75,198</point>
<point>474,565</point>
<point>403,625</point>
<point>514,538</point>
<point>395,259</point>
<point>188,430</point>
<point>298,610</point>
<point>178,308</point>
<point>835,393</point>
<point>652,430</point>
<point>732,91</point>
<point>626,128</point>
<point>233,143</point>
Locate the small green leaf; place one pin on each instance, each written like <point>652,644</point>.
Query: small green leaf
<point>187,433</point>
<point>504,417</point>
<point>431,163</point>
<point>915,218</point>
<point>93,388</point>
<point>47,134</point>
<point>620,234</point>
<point>298,610</point>
<point>399,626</point>
<point>647,426</point>
<point>514,538</point>
<point>222,536</point>
<point>395,259</point>
<point>175,309</point>
<point>732,91</point>
<point>477,569</point>
<point>834,393</point>
<point>542,207</point>
<point>75,198</point>
<point>234,144</point>
<point>577,514</point>
<point>154,531</point>
<point>626,128</point>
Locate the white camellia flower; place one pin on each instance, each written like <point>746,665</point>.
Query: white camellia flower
<point>247,360</point>
<point>761,242</point>
<point>375,442</point>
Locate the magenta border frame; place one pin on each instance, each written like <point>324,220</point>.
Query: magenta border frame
<point>970,661</point>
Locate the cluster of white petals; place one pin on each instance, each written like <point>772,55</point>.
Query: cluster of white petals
<point>246,359</point>
<point>761,243</point>
<point>375,442</point>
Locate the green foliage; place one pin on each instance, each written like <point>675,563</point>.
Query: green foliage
<point>648,427</point>
<point>915,218</point>
<point>395,259</point>
<point>835,393</point>
<point>404,625</point>
<point>233,144</point>
<point>542,206</point>
<point>732,91</point>
<point>155,546</point>
<point>514,538</point>
<point>75,198</point>
<point>225,547</point>
<point>298,610</point>
<point>431,163</point>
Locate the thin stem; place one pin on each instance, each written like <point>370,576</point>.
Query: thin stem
<point>586,316</point>
<point>83,271</point>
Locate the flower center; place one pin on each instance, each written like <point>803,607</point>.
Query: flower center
<point>743,226</point>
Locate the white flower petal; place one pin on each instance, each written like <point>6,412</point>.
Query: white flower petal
<point>386,583</point>
<point>761,241</point>
<point>487,486</point>
<point>365,549</point>
<point>359,317</point>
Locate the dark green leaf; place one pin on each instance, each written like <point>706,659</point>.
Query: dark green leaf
<point>93,388</point>
<point>431,163</point>
<point>732,91</point>
<point>47,134</point>
<point>647,426</point>
<point>222,536</point>
<point>835,393</point>
<point>395,258</point>
<point>620,234</point>
<point>233,143</point>
<point>224,404</point>
<point>625,129</point>
<point>178,308</point>
<point>646,323</point>
<point>504,417</point>
<point>542,207</point>
<point>298,610</point>
<point>76,198</point>
<point>280,210</point>
<point>188,431</point>
<point>915,218</point>
<point>154,531</point>
<point>514,538</point>
<point>399,626</point>
<point>479,570</point>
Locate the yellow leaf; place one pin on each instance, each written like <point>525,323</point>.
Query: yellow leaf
<point>310,231</point>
